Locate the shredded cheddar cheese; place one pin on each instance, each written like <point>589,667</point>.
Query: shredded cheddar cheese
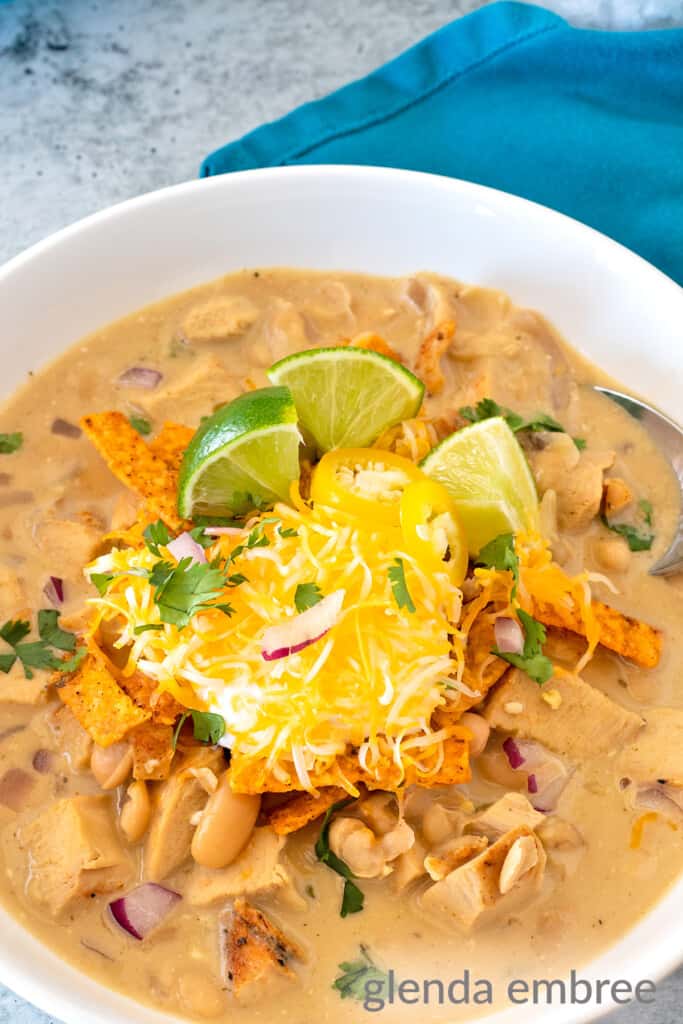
<point>369,685</point>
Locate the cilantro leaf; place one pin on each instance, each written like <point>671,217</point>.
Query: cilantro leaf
<point>10,443</point>
<point>6,662</point>
<point>147,627</point>
<point>353,898</point>
<point>14,631</point>
<point>142,425</point>
<point>72,663</point>
<point>399,587</point>
<point>637,540</point>
<point>355,975</point>
<point>197,534</point>
<point>532,660</point>
<point>226,608</point>
<point>101,580</point>
<point>176,732</point>
<point>156,534</point>
<point>500,554</point>
<point>646,509</point>
<point>287,531</point>
<point>487,408</point>
<point>208,728</point>
<point>184,589</point>
<point>306,596</point>
<point>50,632</point>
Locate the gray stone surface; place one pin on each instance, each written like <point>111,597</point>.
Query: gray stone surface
<point>100,101</point>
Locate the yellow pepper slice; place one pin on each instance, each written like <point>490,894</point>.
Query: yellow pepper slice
<point>432,531</point>
<point>364,482</point>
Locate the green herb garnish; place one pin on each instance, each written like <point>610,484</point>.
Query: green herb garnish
<point>532,660</point>
<point>10,443</point>
<point>101,580</point>
<point>142,425</point>
<point>40,654</point>
<point>147,627</point>
<point>638,538</point>
<point>184,589</point>
<point>207,727</point>
<point>156,535</point>
<point>287,531</point>
<point>500,554</point>
<point>488,408</point>
<point>353,898</point>
<point>355,975</point>
<point>306,595</point>
<point>399,587</point>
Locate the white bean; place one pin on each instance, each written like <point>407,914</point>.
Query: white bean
<point>480,730</point>
<point>136,812</point>
<point>225,826</point>
<point>111,766</point>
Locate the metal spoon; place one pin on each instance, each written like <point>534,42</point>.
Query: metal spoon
<point>669,439</point>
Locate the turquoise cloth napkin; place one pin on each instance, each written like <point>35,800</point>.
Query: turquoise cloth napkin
<point>587,122</point>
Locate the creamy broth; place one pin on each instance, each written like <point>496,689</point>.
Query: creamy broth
<point>591,895</point>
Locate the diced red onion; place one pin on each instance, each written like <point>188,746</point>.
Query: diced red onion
<point>549,773</point>
<point>532,784</point>
<point>140,377</point>
<point>223,531</point>
<point>65,429</point>
<point>304,629</point>
<point>185,546</point>
<point>509,636</point>
<point>513,753</point>
<point>54,591</point>
<point>141,910</point>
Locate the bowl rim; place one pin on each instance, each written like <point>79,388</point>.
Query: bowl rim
<point>655,961</point>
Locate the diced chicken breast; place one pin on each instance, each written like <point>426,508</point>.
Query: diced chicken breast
<point>70,737</point>
<point>656,754</point>
<point>502,878</point>
<point>73,850</point>
<point>204,386</point>
<point>219,320</point>
<point>179,799</point>
<point>511,811</point>
<point>257,871</point>
<point>256,953</point>
<point>586,724</point>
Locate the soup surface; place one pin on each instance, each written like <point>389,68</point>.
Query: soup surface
<point>602,748</point>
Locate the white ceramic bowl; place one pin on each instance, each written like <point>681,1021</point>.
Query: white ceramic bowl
<point>617,309</point>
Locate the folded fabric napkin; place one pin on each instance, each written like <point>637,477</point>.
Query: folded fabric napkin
<point>587,122</point>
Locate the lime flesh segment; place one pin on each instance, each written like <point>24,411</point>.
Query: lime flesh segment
<point>247,453</point>
<point>346,396</point>
<point>486,474</point>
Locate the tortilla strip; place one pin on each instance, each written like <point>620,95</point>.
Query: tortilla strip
<point>99,703</point>
<point>428,363</point>
<point>152,751</point>
<point>374,343</point>
<point>246,777</point>
<point>164,707</point>
<point>134,463</point>
<point>302,810</point>
<point>628,637</point>
<point>171,443</point>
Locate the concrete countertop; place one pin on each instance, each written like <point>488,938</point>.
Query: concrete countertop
<point>102,101</point>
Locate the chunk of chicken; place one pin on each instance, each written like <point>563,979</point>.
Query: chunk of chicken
<point>204,386</point>
<point>502,878</point>
<point>575,477</point>
<point>256,954</point>
<point>178,800</point>
<point>452,855</point>
<point>74,851</point>
<point>510,811</point>
<point>586,723</point>
<point>366,854</point>
<point>257,871</point>
<point>68,544</point>
<point>409,867</point>
<point>220,319</point>
<point>70,737</point>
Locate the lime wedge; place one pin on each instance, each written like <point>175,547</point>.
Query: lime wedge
<point>346,397</point>
<point>247,453</point>
<point>486,474</point>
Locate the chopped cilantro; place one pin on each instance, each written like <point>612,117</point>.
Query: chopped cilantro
<point>500,554</point>
<point>156,534</point>
<point>638,538</point>
<point>10,443</point>
<point>198,535</point>
<point>184,589</point>
<point>352,899</point>
<point>40,654</point>
<point>355,974</point>
<point>306,595</point>
<point>101,580</point>
<point>142,425</point>
<point>147,627</point>
<point>399,587</point>
<point>287,531</point>
<point>646,510</point>
<point>207,727</point>
<point>487,408</point>
<point>532,660</point>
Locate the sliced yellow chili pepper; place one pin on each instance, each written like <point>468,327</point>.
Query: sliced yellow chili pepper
<point>432,531</point>
<point>364,482</point>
